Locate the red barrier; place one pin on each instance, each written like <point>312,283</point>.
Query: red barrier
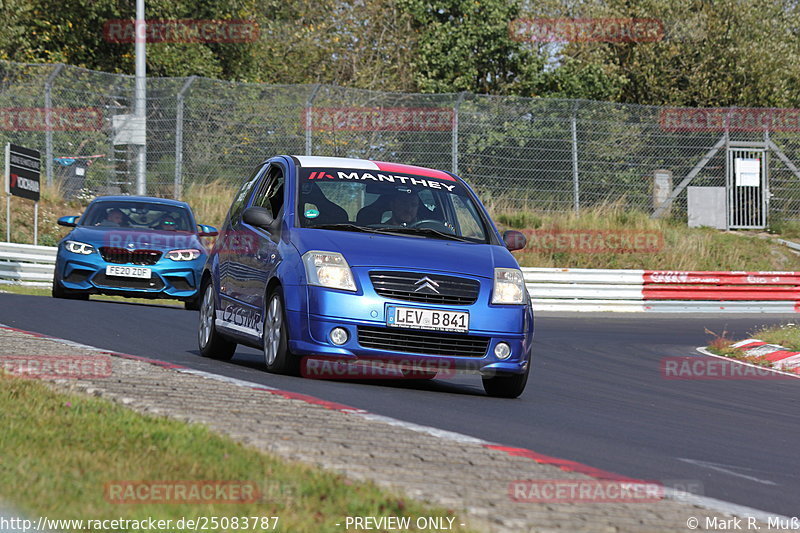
<point>730,286</point>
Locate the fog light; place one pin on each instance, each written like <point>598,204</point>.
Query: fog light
<point>339,336</point>
<point>502,350</point>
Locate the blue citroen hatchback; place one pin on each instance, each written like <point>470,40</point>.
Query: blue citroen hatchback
<point>357,260</point>
<point>132,246</point>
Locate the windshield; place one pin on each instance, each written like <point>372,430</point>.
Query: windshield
<point>368,200</point>
<point>137,215</point>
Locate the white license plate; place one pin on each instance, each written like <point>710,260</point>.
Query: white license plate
<point>128,272</point>
<point>436,319</point>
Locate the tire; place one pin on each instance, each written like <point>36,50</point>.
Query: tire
<point>277,357</point>
<point>59,291</point>
<point>193,304</point>
<point>211,343</point>
<point>507,386</point>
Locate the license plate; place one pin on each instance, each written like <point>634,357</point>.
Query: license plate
<point>436,319</point>
<point>128,272</point>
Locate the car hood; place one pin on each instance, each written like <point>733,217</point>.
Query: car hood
<point>413,253</point>
<point>140,239</point>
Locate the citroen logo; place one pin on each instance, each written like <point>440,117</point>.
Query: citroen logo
<point>427,283</point>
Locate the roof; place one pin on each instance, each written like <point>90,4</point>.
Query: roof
<point>366,164</point>
<point>151,199</point>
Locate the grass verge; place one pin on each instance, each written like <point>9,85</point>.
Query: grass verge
<point>786,335</point>
<point>42,291</point>
<point>678,247</point>
<point>58,451</point>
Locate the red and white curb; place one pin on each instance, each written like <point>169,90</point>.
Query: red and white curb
<point>780,357</point>
<point>563,464</point>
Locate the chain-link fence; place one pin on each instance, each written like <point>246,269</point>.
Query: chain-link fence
<point>519,153</point>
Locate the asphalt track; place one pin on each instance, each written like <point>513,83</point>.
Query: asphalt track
<point>596,395</point>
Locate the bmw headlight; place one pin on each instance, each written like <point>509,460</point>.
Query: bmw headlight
<point>183,255</point>
<point>509,286</point>
<point>328,269</point>
<point>77,247</point>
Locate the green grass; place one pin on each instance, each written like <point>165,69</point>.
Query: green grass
<point>786,335</point>
<point>41,291</point>
<point>680,247</point>
<point>58,450</point>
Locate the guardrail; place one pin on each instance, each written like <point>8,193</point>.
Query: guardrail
<point>558,289</point>
<point>26,264</point>
<point>577,289</point>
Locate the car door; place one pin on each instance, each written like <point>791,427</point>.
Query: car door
<point>231,247</point>
<point>258,266</point>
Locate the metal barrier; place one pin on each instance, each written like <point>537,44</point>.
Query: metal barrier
<point>25,264</point>
<point>558,289</point>
<point>575,289</point>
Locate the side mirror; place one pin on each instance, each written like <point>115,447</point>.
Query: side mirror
<point>207,231</point>
<point>259,217</point>
<point>69,222</point>
<point>514,240</point>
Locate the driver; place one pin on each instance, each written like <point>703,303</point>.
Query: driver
<point>114,217</point>
<point>404,207</point>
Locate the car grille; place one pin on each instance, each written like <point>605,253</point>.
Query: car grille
<point>132,257</point>
<point>118,282</point>
<point>413,287</point>
<point>422,342</point>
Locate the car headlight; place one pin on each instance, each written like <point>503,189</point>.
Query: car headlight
<point>509,286</point>
<point>328,269</point>
<point>183,255</point>
<point>77,247</point>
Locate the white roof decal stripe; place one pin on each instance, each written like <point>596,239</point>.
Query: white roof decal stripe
<point>335,162</point>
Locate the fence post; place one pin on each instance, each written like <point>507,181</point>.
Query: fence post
<point>576,192</point>
<point>179,138</point>
<point>48,105</point>
<point>455,130</point>
<point>309,103</point>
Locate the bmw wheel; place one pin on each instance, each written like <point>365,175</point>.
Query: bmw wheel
<point>211,343</point>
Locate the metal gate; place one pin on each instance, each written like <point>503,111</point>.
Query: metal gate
<point>747,187</point>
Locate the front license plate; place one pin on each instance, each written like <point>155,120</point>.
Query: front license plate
<point>436,319</point>
<point>128,272</point>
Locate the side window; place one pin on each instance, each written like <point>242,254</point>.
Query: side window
<point>468,219</point>
<point>270,194</point>
<point>241,197</point>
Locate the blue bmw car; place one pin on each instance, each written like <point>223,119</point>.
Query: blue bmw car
<point>133,246</point>
<point>355,260</point>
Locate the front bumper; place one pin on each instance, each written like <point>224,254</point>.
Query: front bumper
<point>169,279</point>
<point>363,316</point>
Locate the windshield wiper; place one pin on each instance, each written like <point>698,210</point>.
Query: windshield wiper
<point>429,232</point>
<point>345,227</point>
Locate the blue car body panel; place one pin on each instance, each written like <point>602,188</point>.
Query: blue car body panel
<point>79,273</point>
<point>243,276</point>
